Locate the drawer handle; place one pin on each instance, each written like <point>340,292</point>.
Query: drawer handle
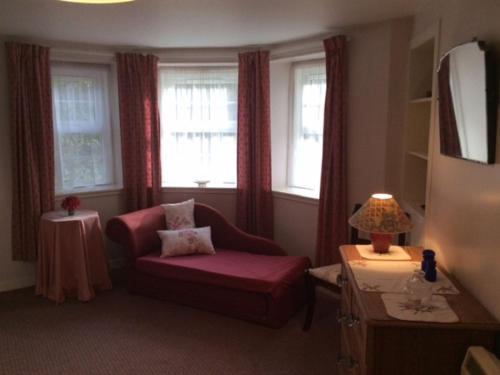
<point>352,321</point>
<point>341,318</point>
<point>341,281</point>
<point>347,362</point>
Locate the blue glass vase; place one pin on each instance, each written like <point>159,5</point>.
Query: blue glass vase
<point>429,265</point>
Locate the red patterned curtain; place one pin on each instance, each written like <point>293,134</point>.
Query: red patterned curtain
<point>32,145</point>
<point>332,215</point>
<point>449,140</point>
<point>140,129</point>
<point>254,200</point>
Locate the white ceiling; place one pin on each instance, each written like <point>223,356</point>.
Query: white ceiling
<point>192,23</point>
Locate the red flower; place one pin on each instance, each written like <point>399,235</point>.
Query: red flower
<point>70,203</point>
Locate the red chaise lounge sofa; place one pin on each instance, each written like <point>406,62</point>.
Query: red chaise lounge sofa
<point>249,277</point>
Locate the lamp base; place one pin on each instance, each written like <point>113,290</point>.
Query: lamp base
<point>381,242</point>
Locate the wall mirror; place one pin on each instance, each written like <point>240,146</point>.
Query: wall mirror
<point>468,103</point>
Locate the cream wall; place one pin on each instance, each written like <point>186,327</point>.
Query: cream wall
<point>401,31</point>
<point>369,62</point>
<point>464,209</point>
<point>295,224</point>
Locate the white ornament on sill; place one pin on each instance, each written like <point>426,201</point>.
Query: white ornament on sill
<point>202,183</point>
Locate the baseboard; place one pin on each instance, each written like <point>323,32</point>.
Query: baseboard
<point>13,284</point>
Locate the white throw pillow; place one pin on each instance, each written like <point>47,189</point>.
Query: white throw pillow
<point>179,215</point>
<point>186,241</point>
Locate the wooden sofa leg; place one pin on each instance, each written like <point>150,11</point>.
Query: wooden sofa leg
<point>311,300</point>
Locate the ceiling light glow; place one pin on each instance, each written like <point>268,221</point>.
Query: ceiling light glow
<point>97,1</point>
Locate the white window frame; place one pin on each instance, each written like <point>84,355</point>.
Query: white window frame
<point>292,131</point>
<point>192,185</point>
<point>106,72</point>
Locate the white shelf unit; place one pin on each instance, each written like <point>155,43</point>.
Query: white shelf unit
<point>419,126</point>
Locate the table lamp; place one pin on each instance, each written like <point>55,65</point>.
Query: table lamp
<point>382,217</point>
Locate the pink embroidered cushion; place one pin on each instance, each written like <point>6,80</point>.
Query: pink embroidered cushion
<point>186,241</point>
<point>179,215</point>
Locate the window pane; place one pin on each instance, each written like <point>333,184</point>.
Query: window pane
<point>307,135</point>
<point>82,127</point>
<point>198,118</point>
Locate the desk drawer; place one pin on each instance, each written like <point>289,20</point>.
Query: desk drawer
<point>357,322</point>
<point>345,300</point>
<point>351,359</point>
<point>350,313</point>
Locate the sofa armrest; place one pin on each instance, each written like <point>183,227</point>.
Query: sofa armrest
<point>227,236</point>
<point>136,231</point>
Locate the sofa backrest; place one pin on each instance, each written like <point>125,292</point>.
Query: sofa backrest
<point>136,232</point>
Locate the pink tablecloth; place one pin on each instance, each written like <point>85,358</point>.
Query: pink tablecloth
<point>71,260</point>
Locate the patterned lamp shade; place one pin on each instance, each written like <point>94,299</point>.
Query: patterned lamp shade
<point>381,214</point>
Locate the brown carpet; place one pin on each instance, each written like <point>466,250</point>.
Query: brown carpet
<point>119,333</point>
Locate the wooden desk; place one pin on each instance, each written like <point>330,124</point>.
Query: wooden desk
<point>71,260</point>
<point>374,343</point>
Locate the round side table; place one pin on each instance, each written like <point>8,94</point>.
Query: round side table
<point>71,260</point>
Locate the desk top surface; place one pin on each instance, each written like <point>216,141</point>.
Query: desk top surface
<point>469,310</point>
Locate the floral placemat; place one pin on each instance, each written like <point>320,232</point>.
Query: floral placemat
<point>394,253</point>
<point>437,310</point>
<point>391,277</point>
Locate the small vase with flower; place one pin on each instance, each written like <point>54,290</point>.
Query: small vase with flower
<point>70,204</point>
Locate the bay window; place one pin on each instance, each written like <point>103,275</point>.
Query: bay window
<point>84,157</point>
<point>308,103</point>
<point>198,108</point>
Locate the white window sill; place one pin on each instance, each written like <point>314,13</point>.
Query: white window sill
<point>215,189</point>
<point>83,193</point>
<point>296,194</point>
<point>217,185</point>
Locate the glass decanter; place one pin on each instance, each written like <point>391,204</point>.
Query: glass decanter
<point>417,289</point>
